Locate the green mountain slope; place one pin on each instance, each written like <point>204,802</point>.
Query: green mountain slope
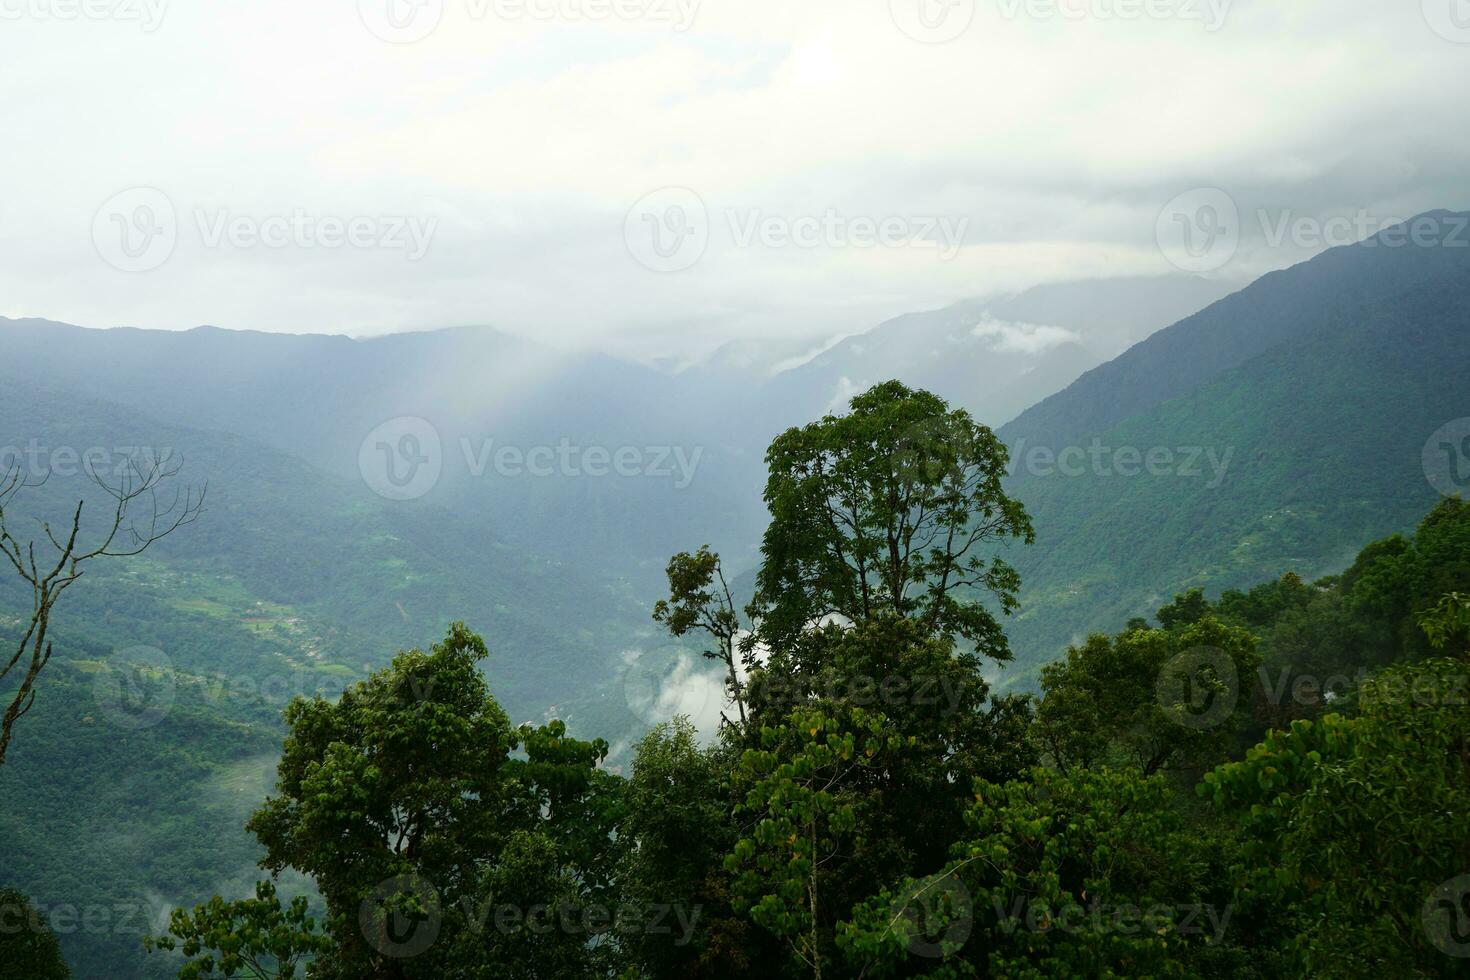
<point>294,581</point>
<point>1280,308</point>
<point>1324,432</point>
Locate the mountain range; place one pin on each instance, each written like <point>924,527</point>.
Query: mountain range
<point>1165,433</point>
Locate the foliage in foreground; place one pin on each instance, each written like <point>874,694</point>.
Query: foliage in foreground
<point>870,809</point>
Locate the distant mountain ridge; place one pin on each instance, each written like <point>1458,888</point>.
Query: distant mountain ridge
<point>994,356</point>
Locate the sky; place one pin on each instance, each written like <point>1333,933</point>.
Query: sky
<point>659,176</point>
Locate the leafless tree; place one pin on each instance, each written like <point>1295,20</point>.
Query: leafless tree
<point>138,516</point>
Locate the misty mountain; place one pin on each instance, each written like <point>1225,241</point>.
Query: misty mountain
<point>994,356</point>
<point>1290,423</point>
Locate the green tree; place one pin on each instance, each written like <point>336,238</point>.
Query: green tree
<point>401,798</point>
<point>679,829</point>
<point>1153,699</point>
<point>1355,827</point>
<point>253,937</point>
<point>28,949</point>
<point>700,599</point>
<point>806,824</point>
<point>889,508</point>
<point>929,693</point>
<point>1091,873</point>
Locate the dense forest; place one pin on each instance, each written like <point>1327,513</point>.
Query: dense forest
<point>1271,782</point>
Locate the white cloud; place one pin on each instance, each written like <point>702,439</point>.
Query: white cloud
<point>529,140</point>
<point>1023,338</point>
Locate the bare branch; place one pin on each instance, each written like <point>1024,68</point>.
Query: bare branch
<point>137,520</point>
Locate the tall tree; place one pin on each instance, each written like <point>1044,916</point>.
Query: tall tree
<point>891,508</point>
<point>700,599</point>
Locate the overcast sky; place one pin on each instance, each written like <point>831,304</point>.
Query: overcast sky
<point>654,175</point>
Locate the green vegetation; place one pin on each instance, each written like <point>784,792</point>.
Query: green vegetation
<point>1288,424</point>
<point>28,948</point>
<point>876,810</point>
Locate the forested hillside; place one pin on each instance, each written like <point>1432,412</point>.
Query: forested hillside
<point>1289,424</point>
<point>293,582</point>
<point>1193,794</point>
<point>1274,433</point>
